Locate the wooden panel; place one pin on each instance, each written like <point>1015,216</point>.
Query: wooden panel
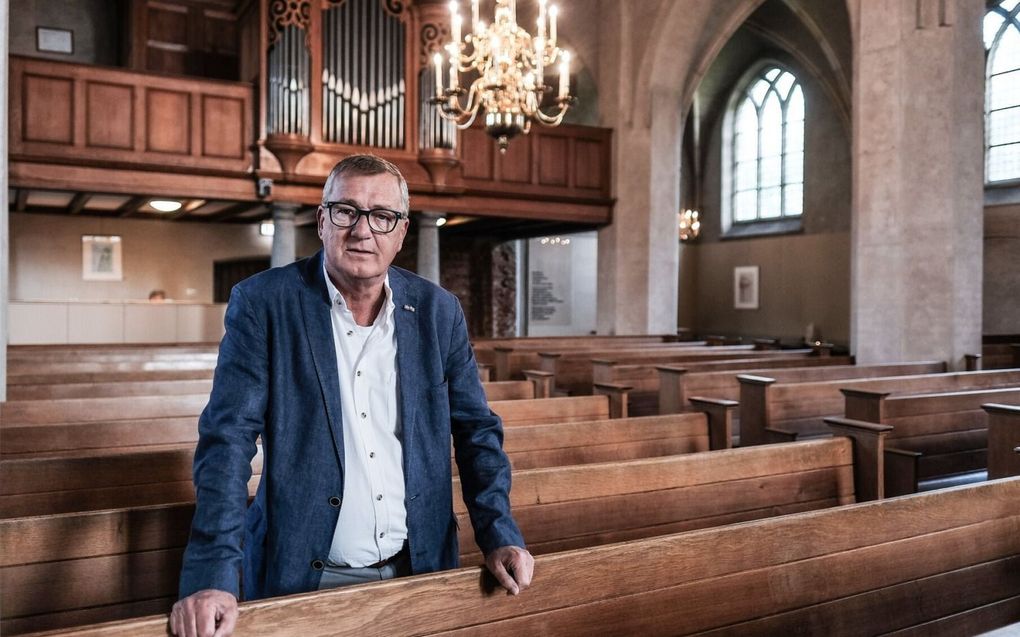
<point>165,110</point>
<point>553,160</point>
<point>222,127</point>
<point>686,582</point>
<point>110,115</point>
<point>514,166</point>
<point>476,148</point>
<point>589,171</point>
<point>162,60</point>
<point>168,23</point>
<point>48,109</point>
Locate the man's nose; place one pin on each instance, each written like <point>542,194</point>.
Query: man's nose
<point>360,228</point>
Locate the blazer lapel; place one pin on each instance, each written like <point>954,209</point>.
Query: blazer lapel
<point>409,356</point>
<point>315,309</point>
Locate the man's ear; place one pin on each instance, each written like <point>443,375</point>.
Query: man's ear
<point>320,216</point>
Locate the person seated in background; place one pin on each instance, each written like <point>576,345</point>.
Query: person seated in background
<point>157,296</point>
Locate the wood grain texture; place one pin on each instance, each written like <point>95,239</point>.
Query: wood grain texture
<point>699,581</point>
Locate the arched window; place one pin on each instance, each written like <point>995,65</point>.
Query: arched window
<point>1002,96</point>
<point>767,148</point>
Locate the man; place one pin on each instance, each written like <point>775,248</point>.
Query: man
<point>355,374</point>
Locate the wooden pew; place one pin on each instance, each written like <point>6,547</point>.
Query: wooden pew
<point>537,385</point>
<point>1000,351</point>
<point>838,572</point>
<point>574,371</point>
<point>931,436</point>
<point>554,410</point>
<point>508,357</point>
<point>676,383</point>
<point>772,411</point>
<point>54,391</point>
<point>557,508</point>
<point>30,427</point>
<point>559,444</point>
<point>1003,440</point>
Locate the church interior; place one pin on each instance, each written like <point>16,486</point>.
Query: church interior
<point>742,279</point>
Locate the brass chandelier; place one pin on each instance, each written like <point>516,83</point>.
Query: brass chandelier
<point>509,68</point>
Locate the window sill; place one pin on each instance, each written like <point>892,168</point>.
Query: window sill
<point>1002,193</point>
<point>763,229</point>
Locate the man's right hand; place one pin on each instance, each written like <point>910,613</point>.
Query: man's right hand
<point>207,613</point>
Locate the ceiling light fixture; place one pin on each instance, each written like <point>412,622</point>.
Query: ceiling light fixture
<point>165,205</point>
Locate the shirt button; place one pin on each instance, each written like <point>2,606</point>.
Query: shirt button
<point>371,454</point>
<point>318,564</point>
<point>359,372</point>
<point>334,502</point>
<point>382,535</point>
<point>364,415</point>
<point>378,497</point>
<point>350,332</point>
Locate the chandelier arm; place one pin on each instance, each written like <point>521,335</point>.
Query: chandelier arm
<point>551,120</point>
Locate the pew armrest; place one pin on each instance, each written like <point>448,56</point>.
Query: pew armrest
<point>720,420</point>
<point>901,471</point>
<point>618,396</point>
<point>1003,437</point>
<point>485,372</point>
<point>542,381</point>
<point>868,454</point>
<point>671,388</point>
<point>775,434</point>
<point>972,362</point>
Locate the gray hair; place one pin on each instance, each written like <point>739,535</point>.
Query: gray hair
<point>368,165</point>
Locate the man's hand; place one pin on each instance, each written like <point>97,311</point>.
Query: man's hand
<point>512,566</point>
<point>207,613</point>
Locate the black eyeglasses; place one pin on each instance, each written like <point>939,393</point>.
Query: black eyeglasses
<point>380,220</point>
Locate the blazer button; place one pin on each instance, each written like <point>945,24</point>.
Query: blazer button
<point>334,502</point>
<point>318,564</point>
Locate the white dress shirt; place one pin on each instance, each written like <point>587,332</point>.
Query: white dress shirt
<point>373,520</point>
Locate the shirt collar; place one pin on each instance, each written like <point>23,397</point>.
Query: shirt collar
<point>339,300</point>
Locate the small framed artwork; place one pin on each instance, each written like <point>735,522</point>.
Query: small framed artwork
<point>101,258</point>
<point>745,287</point>
<point>49,40</point>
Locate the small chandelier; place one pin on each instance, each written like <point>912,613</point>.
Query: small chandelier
<point>690,226</point>
<point>510,67</point>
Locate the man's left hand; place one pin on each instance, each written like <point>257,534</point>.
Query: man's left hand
<point>512,566</point>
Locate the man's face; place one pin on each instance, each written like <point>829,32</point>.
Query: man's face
<point>356,255</point>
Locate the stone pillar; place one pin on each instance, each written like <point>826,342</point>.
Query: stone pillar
<point>428,245</point>
<point>639,254</point>
<point>284,247</point>
<point>918,183</point>
<point>5,241</point>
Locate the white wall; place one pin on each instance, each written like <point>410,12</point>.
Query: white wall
<point>568,275</point>
<point>173,256</point>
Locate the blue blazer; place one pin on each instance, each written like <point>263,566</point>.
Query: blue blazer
<point>276,377</point>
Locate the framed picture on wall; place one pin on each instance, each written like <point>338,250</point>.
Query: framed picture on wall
<point>101,258</point>
<point>745,287</point>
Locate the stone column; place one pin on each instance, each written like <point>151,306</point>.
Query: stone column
<point>5,241</point>
<point>918,183</point>
<point>428,245</point>
<point>284,247</point>
<point>639,254</point>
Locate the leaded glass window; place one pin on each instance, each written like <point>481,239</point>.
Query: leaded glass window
<point>767,171</point>
<point>1002,92</point>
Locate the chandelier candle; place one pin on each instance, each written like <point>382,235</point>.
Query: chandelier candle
<point>508,67</point>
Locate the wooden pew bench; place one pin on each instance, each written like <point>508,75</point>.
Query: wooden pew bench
<point>839,572</point>
<point>508,357</point>
<point>574,371</point>
<point>1003,440</point>
<point>554,410</point>
<point>772,411</point>
<point>56,391</point>
<point>677,383</point>
<point>536,385</point>
<point>557,508</point>
<point>931,438</point>
<point>559,444</point>
<point>645,377</point>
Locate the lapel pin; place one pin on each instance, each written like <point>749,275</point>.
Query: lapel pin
<point>409,308</point>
